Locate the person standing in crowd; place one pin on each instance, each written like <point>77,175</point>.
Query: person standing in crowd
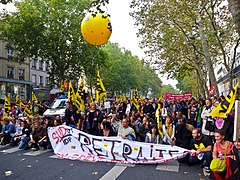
<point>153,136</point>
<point>93,120</point>
<point>126,132</point>
<point>208,122</point>
<point>147,108</point>
<point>193,113</point>
<point>71,116</point>
<point>121,110</point>
<point>7,133</point>
<point>201,149</point>
<point>222,147</point>
<point>168,131</point>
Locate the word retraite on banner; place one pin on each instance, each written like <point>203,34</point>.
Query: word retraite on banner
<point>73,144</point>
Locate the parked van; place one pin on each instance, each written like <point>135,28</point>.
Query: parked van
<point>57,108</point>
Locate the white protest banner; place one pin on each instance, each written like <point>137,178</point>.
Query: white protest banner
<point>73,144</point>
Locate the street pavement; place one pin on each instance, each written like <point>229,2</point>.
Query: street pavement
<point>45,165</point>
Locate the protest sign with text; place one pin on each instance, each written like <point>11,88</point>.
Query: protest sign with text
<point>73,144</point>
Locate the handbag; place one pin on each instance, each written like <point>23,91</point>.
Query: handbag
<point>218,165</point>
<point>210,125</point>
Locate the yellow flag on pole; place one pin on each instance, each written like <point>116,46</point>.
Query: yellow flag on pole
<point>135,99</point>
<point>80,96</point>
<point>7,107</point>
<point>34,98</point>
<point>224,107</point>
<point>28,109</point>
<point>62,89</point>
<point>159,120</point>
<point>19,101</point>
<point>71,93</point>
<point>100,90</point>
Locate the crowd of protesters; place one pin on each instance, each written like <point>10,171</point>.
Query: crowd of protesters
<point>185,123</point>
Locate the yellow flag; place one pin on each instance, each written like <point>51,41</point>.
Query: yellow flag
<point>62,89</point>
<point>7,107</point>
<point>80,96</point>
<point>28,109</point>
<point>160,98</point>
<point>159,120</point>
<point>100,90</point>
<point>135,99</point>
<point>34,98</point>
<point>224,108</point>
<point>19,101</point>
<point>71,93</point>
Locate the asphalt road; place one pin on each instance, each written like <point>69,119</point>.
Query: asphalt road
<point>45,165</point>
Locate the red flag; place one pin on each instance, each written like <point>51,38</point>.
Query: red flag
<point>211,90</point>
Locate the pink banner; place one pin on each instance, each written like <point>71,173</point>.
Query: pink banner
<point>169,96</point>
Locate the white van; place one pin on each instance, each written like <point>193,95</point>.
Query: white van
<point>57,108</point>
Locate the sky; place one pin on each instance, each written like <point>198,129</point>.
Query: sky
<point>123,30</point>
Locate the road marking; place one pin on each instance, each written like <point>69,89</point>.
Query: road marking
<point>172,166</point>
<point>3,146</point>
<point>11,150</point>
<point>55,157</point>
<point>116,171</point>
<point>35,153</point>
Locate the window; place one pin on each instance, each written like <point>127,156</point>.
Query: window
<point>10,72</point>
<point>34,79</point>
<point>10,53</point>
<point>34,64</point>
<point>41,80</point>
<point>40,63</point>
<point>21,74</point>
<point>47,80</point>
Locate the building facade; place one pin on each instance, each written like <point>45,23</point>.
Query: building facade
<point>14,74</point>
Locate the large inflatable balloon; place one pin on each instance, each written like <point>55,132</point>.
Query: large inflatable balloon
<point>96,28</point>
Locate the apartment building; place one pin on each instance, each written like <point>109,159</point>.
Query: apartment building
<point>21,76</point>
<point>14,74</point>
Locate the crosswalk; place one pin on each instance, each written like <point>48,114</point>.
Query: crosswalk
<point>172,166</point>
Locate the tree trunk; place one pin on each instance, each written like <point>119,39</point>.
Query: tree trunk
<point>234,8</point>
<point>207,54</point>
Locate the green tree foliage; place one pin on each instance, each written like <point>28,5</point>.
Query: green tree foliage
<point>168,89</point>
<point>124,72</point>
<point>191,34</point>
<point>50,30</point>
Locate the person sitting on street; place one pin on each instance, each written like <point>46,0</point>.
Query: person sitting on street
<point>223,150</point>
<point>144,128</point>
<point>25,138</point>
<point>7,133</point>
<point>38,137</point>
<point>201,149</point>
<point>125,131</point>
<point>18,132</point>
<point>169,131</point>
<point>153,136</point>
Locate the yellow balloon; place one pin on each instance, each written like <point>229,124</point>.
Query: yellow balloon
<point>96,30</point>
